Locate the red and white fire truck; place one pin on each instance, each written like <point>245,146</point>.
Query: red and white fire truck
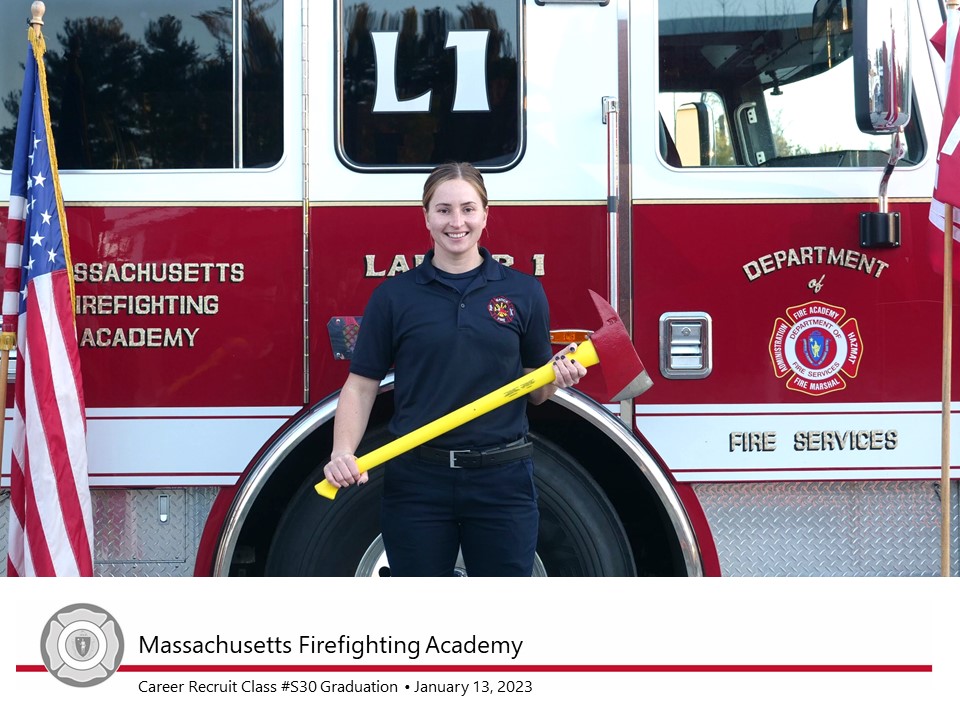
<point>239,176</point>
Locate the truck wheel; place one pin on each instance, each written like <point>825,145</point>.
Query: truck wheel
<point>580,533</point>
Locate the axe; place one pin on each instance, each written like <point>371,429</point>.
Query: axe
<point>611,346</point>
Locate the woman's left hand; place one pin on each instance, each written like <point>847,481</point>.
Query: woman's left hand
<point>567,371</point>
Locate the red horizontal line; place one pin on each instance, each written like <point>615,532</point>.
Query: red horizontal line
<point>519,668</point>
<point>231,477</point>
<point>181,417</point>
<point>167,474</point>
<point>188,417</point>
<point>792,481</point>
<point>808,469</point>
<point>790,413</point>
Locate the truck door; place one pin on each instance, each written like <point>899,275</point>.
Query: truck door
<point>788,352</point>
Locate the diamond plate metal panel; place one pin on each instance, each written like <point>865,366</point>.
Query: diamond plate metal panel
<point>129,537</point>
<point>828,529</point>
<point>128,528</point>
<point>760,529</point>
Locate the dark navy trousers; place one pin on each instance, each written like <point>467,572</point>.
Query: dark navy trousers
<point>430,512</point>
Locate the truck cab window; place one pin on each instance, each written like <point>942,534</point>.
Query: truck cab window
<point>758,85</point>
<point>156,84</point>
<point>428,80</point>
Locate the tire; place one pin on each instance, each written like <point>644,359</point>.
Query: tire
<point>580,533</point>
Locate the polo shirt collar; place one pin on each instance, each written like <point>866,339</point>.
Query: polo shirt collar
<point>490,269</point>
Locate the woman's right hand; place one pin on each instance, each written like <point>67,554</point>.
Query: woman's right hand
<point>342,471</point>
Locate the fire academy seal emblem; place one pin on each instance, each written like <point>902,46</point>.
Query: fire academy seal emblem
<point>81,645</point>
<point>814,347</point>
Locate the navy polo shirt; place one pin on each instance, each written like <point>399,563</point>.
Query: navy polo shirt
<point>449,348</point>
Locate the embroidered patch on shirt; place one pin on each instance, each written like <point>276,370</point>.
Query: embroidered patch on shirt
<point>502,310</point>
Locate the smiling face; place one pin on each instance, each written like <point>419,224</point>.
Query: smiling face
<point>455,217</point>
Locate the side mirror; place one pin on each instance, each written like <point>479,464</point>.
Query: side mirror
<point>883,90</point>
<point>883,87</point>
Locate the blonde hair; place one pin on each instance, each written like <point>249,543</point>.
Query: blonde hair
<point>454,171</point>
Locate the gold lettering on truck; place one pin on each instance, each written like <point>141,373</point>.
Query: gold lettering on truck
<point>160,273</point>
<point>814,255</point>
<point>374,268</point>
<point>816,440</point>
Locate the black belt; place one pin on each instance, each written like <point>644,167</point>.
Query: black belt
<point>476,458</point>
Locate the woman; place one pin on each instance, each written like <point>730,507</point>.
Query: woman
<point>454,328</point>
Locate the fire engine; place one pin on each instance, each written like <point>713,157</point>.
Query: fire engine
<point>748,184</point>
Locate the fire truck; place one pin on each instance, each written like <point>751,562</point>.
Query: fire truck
<point>747,183</point>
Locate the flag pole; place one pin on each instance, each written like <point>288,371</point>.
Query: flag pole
<point>946,374</point>
<point>945,500</point>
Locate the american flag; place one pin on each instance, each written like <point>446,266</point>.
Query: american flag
<point>946,188</point>
<point>51,525</point>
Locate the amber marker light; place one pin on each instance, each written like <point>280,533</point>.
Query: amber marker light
<point>565,337</point>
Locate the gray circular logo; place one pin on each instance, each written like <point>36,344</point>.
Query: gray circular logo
<point>82,645</point>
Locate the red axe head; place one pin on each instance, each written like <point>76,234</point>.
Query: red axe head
<point>622,370</point>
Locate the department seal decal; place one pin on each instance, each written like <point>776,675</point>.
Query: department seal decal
<point>814,347</point>
<point>502,310</point>
<point>81,645</point>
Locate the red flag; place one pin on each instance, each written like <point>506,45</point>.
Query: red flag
<point>51,527</point>
<point>946,189</point>
<point>947,184</point>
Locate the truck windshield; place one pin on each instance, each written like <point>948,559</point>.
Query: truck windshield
<point>760,84</point>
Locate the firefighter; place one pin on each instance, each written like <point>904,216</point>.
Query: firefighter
<point>454,328</point>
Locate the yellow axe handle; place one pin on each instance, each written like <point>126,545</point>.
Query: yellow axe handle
<point>585,353</point>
